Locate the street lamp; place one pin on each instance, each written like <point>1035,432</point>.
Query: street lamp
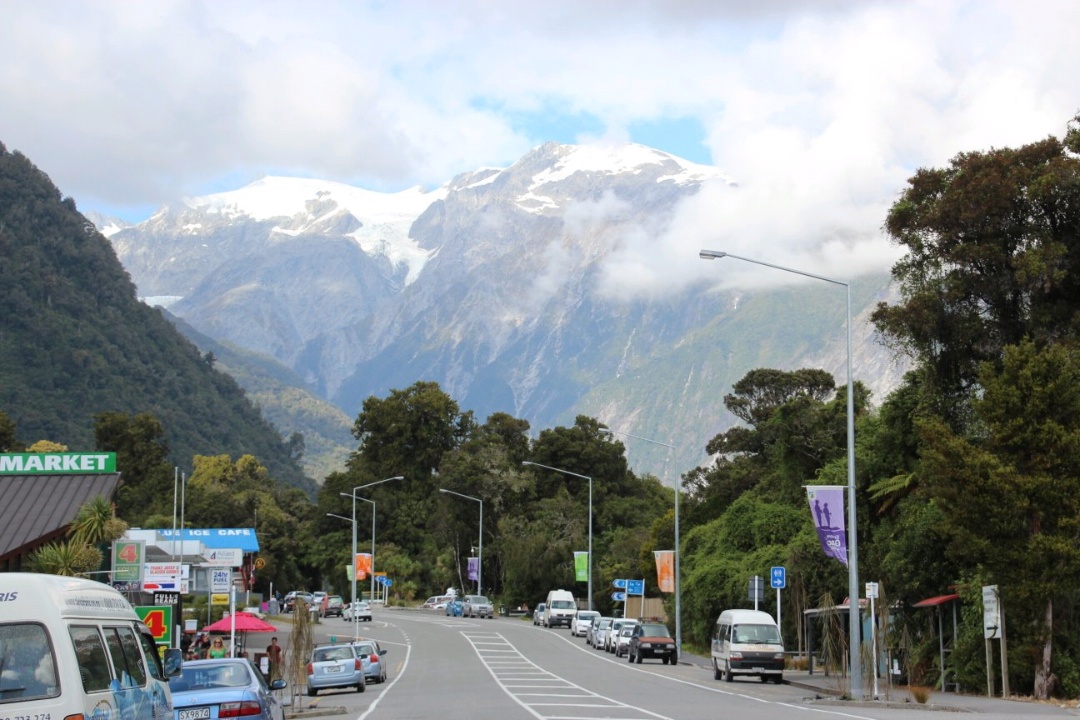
<point>480,559</point>
<point>853,544</point>
<point>353,521</point>
<point>353,495</point>
<point>584,477</point>
<point>678,552</point>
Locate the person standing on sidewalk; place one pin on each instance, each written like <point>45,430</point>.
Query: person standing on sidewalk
<point>273,653</point>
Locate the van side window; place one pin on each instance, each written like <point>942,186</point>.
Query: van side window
<point>90,653</point>
<point>27,663</point>
<point>153,659</point>
<point>124,649</point>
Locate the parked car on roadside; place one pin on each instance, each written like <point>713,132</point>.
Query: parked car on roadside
<point>333,606</point>
<point>612,635</point>
<point>289,603</point>
<point>336,666</point>
<point>590,635</point>
<point>538,614</point>
<point>622,643</point>
<point>362,612</point>
<point>579,626</point>
<point>212,688</point>
<point>375,669</point>
<point>600,631</point>
<point>652,640</point>
<point>477,606</point>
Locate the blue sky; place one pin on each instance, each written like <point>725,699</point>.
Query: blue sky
<point>820,111</point>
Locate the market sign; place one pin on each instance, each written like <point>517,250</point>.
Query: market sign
<point>60,463</point>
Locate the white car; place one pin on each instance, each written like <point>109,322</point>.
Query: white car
<point>363,612</point>
<point>622,643</point>
<point>579,626</point>
<point>611,637</point>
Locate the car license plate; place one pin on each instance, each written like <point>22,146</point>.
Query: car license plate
<point>758,669</point>
<point>334,669</point>
<point>200,713</point>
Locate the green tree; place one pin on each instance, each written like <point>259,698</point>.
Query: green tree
<point>992,257</point>
<point>142,456</point>
<point>1011,498</point>
<point>9,441</point>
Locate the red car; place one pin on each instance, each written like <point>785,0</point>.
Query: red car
<point>652,640</point>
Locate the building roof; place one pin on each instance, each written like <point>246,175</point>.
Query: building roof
<point>35,509</point>
<point>935,601</point>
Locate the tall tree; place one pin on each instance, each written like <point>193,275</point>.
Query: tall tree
<point>993,257</point>
<point>1011,498</point>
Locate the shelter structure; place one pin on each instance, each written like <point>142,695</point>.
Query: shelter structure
<point>939,604</point>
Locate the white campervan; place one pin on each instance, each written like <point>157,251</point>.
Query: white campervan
<point>747,642</point>
<point>560,608</point>
<point>74,648</point>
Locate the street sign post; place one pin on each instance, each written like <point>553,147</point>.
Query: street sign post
<point>619,596</point>
<point>779,581</point>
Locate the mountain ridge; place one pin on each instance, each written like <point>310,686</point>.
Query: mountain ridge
<point>512,308</point>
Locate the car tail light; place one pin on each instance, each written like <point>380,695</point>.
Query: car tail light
<point>239,709</point>
<point>373,658</point>
<point>358,664</point>
<point>310,669</point>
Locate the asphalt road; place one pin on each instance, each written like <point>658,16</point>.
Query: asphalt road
<point>443,668</point>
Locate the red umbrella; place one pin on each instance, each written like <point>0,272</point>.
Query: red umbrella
<point>245,622</point>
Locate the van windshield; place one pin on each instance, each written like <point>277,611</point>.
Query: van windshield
<point>756,635</point>
<point>562,604</point>
<point>27,663</point>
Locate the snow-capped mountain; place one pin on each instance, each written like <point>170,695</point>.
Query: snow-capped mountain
<point>492,286</point>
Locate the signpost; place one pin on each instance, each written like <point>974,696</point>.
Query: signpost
<point>158,618</point>
<point>127,560</point>
<point>871,595</point>
<point>994,627</point>
<point>757,590</point>
<point>779,581</point>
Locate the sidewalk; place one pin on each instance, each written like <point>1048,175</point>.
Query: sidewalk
<point>829,689</point>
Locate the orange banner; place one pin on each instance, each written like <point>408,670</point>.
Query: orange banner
<point>665,569</point>
<point>363,565</point>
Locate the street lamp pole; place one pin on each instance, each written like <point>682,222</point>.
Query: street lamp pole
<point>354,498</point>
<point>584,477</point>
<point>342,517</point>
<point>678,552</point>
<point>854,612</point>
<point>480,559</point>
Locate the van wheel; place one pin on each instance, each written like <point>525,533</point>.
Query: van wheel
<point>716,674</point>
<point>674,657</point>
<point>728,675</point>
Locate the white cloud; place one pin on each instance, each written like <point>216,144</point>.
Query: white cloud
<point>819,110</point>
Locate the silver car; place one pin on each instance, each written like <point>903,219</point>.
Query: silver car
<point>477,606</point>
<point>374,656</point>
<point>579,626</point>
<point>612,635</point>
<point>336,666</point>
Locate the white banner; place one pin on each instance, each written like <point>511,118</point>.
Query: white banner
<point>225,557</point>
<point>220,580</point>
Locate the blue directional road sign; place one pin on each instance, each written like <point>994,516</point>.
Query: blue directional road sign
<point>620,584</point>
<point>635,587</point>
<point>779,577</point>
<point>388,582</point>
<point>618,596</point>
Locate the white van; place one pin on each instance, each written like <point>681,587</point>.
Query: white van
<point>74,648</point>
<point>747,642</point>
<point>560,608</point>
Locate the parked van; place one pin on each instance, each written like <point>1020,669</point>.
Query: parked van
<point>747,642</point>
<point>74,648</point>
<point>560,608</point>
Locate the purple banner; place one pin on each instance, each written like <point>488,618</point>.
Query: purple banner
<point>474,567</point>
<point>827,506</point>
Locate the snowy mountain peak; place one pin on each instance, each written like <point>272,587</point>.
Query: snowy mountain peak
<point>275,197</point>
<point>619,158</point>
